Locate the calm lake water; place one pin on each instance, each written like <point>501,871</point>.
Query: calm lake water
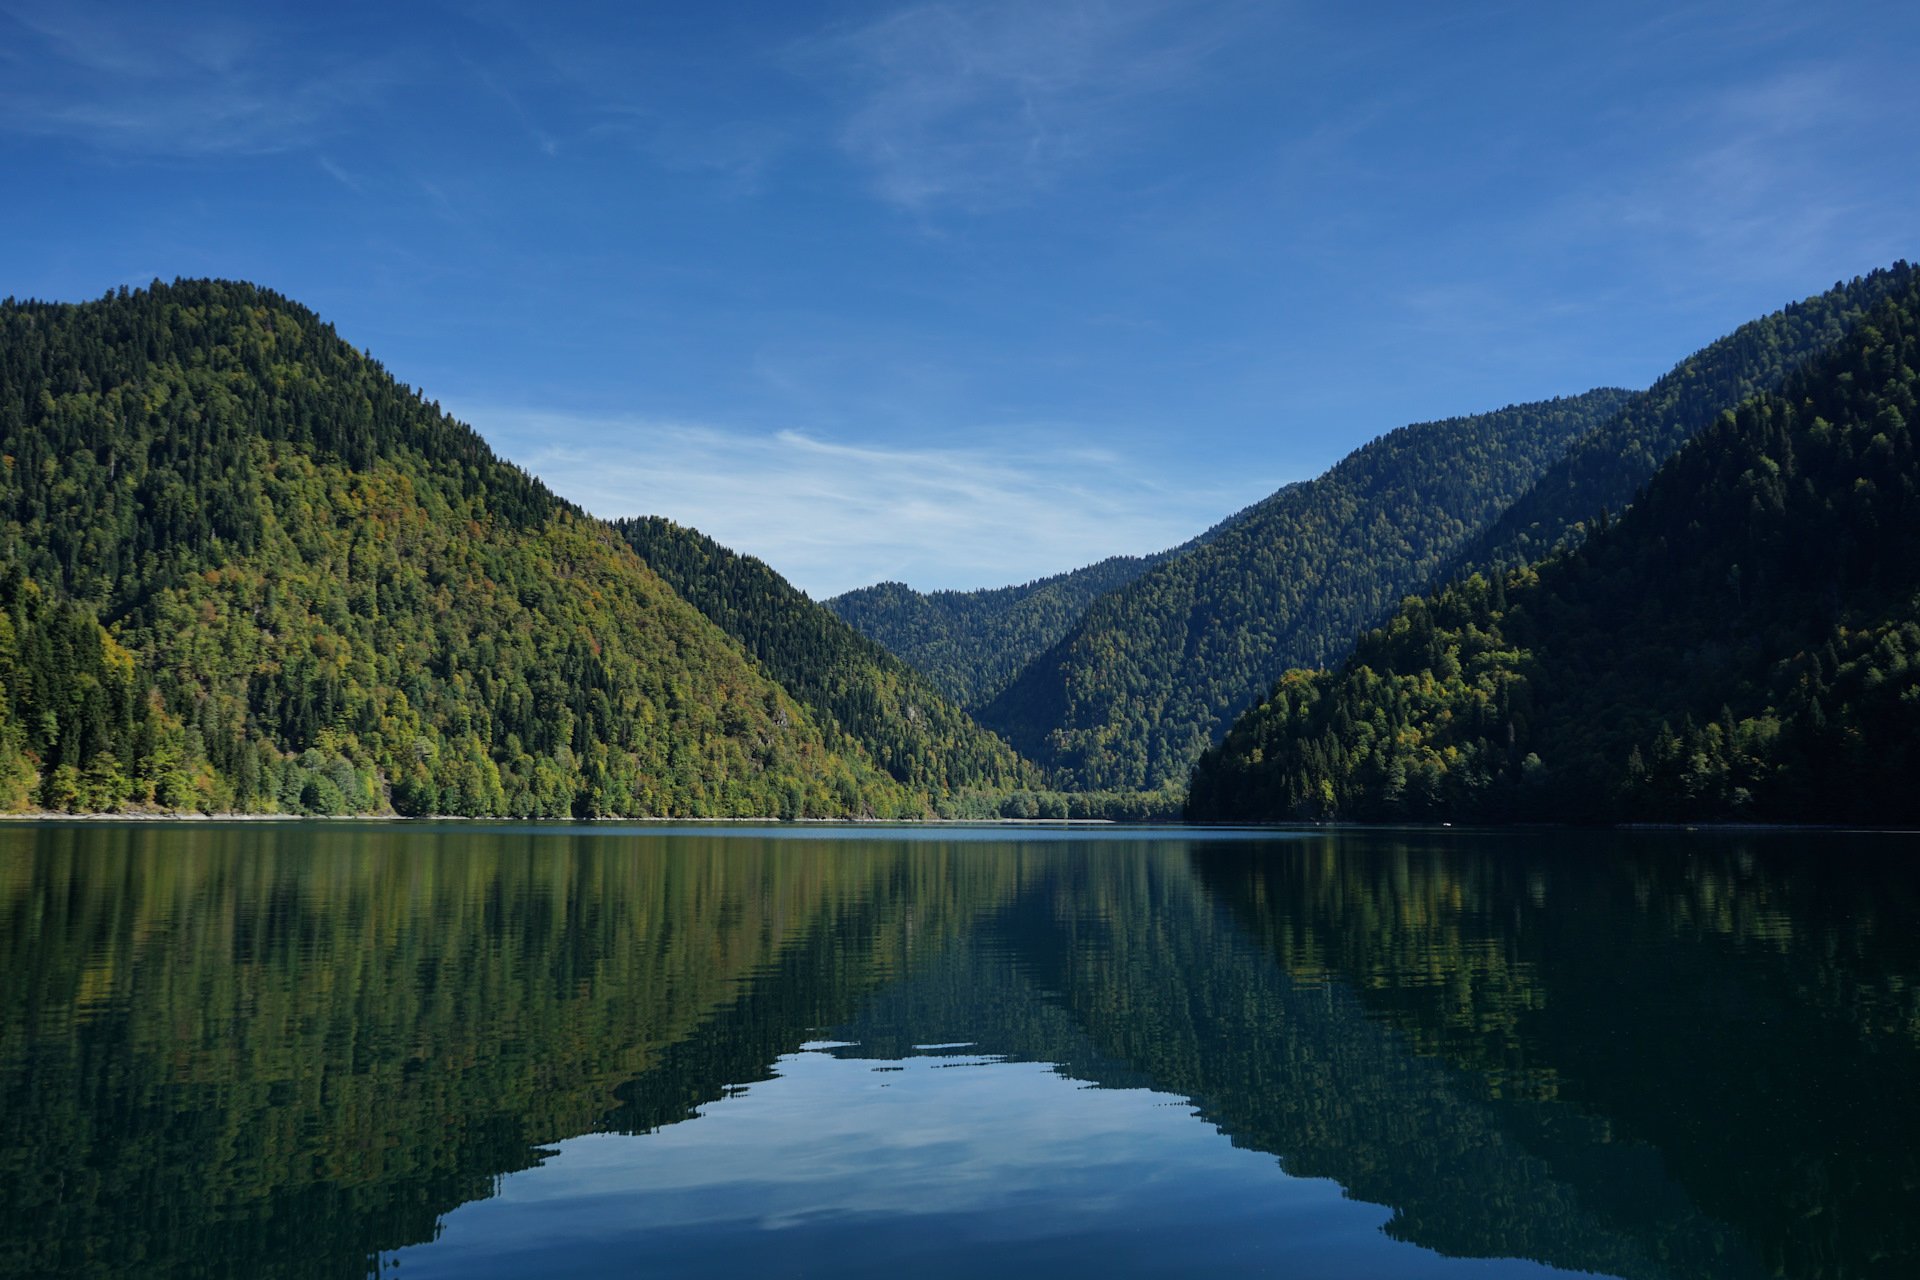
<point>466,1050</point>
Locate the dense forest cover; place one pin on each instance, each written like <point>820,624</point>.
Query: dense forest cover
<point>971,644</point>
<point>245,569</point>
<point>854,688</point>
<point>1156,670</point>
<point>1604,469</point>
<point>1743,643</point>
<point>242,568</point>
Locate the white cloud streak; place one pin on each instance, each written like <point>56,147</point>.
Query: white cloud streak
<point>983,106</point>
<point>341,176</point>
<point>172,84</point>
<point>494,85</point>
<point>832,516</point>
<point>1758,183</point>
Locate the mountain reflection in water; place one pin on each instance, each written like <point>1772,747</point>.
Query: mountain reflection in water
<point>300,1049</point>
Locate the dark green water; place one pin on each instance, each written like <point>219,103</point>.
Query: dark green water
<point>267,1050</point>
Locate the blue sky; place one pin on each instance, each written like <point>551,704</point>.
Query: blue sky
<point>965,293</point>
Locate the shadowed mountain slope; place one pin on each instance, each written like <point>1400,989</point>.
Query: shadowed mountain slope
<point>1604,469</point>
<point>1744,642</point>
<point>1156,669</point>
<point>852,685</point>
<point>972,643</point>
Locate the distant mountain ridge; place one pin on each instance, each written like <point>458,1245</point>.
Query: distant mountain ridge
<point>971,644</point>
<point>1159,662</point>
<point>1157,668</point>
<point>246,569</point>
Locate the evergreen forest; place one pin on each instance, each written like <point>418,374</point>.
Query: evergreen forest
<point>1743,643</point>
<point>246,570</point>
<point>864,694</point>
<point>1604,469</point>
<point>1153,672</point>
<point>971,644</point>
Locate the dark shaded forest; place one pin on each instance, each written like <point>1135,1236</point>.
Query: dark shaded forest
<point>849,682</point>
<point>1157,669</point>
<point>1605,469</point>
<point>1743,643</point>
<point>971,644</point>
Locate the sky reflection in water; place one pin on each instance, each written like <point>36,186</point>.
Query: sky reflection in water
<point>931,1165</point>
<point>308,1049</point>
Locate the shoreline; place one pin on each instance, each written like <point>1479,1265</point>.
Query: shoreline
<point>42,815</point>
<point>1702,828</point>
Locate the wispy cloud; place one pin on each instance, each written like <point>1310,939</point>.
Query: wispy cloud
<point>163,83</point>
<point>113,42</point>
<point>1757,179</point>
<point>341,175</point>
<point>981,106</point>
<point>832,516</point>
<point>494,85</point>
<point>738,153</point>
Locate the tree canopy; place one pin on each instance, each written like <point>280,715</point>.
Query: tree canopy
<point>865,695</point>
<point>1155,670</point>
<point>972,643</point>
<point>1744,642</point>
<point>246,569</point>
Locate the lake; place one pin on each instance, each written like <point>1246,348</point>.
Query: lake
<point>329,1049</point>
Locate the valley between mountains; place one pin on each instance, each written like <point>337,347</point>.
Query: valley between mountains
<point>248,571</point>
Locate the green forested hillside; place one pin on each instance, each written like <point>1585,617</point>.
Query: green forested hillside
<point>1743,643</point>
<point>1603,470</point>
<point>972,643</point>
<point>1155,670</point>
<point>246,569</point>
<point>855,688</point>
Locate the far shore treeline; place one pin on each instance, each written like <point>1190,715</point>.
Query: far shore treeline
<point>245,570</point>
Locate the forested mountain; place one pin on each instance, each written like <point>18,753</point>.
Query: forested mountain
<point>1744,642</point>
<point>1154,671</point>
<point>971,644</point>
<point>246,569</point>
<point>854,687</point>
<point>1604,469</point>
